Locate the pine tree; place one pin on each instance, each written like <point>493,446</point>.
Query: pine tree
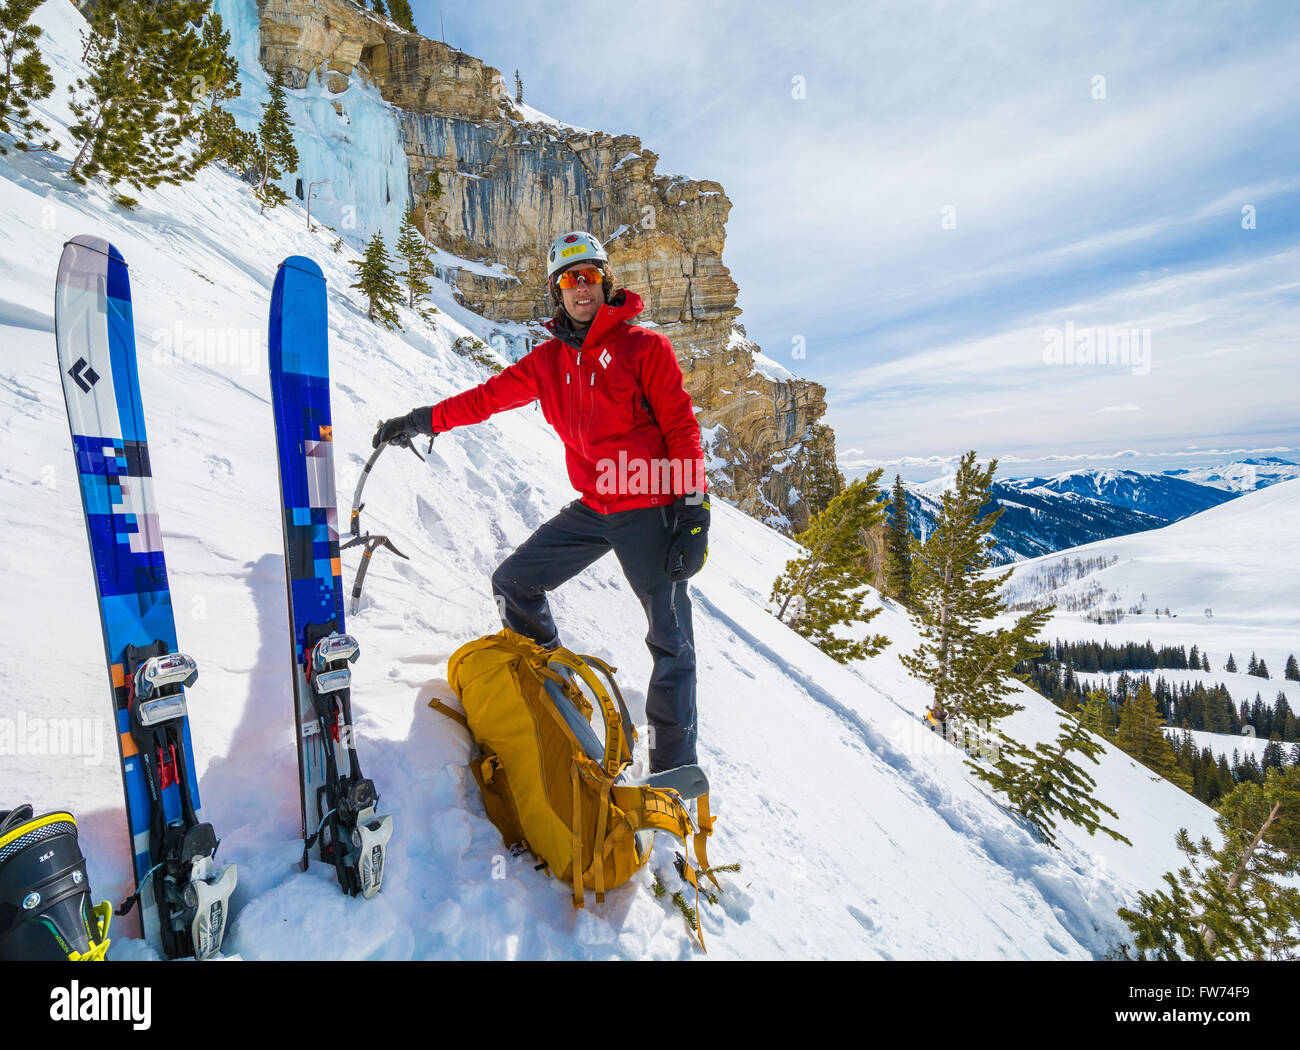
<point>378,6</point>
<point>148,65</point>
<point>898,546</point>
<point>825,588</point>
<point>1261,669</point>
<point>1044,784</point>
<point>1205,662</point>
<point>27,78</point>
<point>822,480</point>
<point>220,138</point>
<point>413,250</point>
<point>1234,901</point>
<point>400,12</point>
<point>519,88</point>
<point>1141,735</point>
<point>1253,666</point>
<point>1231,665</point>
<point>276,153</point>
<point>969,670</point>
<point>1292,672</point>
<point>1097,716</point>
<point>376,280</point>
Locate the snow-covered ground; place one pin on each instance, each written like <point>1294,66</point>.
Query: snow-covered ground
<point>860,834</point>
<point>1228,577</point>
<point>1241,687</point>
<point>1226,744</point>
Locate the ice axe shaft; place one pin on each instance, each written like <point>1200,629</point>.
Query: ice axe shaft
<point>354,524</point>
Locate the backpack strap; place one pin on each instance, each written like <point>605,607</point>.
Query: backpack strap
<point>663,810</point>
<point>609,672</point>
<point>450,712</point>
<point>705,821</point>
<point>497,798</point>
<point>579,894</point>
<point>617,752</point>
<point>598,854</point>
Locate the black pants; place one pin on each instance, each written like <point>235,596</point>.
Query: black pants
<point>573,540</point>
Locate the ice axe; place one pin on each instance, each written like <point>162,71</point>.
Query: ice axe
<point>371,542</point>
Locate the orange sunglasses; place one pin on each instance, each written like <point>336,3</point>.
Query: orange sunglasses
<point>583,275</point>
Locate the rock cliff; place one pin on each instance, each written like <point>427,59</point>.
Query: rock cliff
<point>494,181</point>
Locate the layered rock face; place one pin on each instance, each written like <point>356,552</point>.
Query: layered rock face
<point>494,181</point>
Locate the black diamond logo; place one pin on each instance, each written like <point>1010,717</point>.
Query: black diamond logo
<point>85,379</point>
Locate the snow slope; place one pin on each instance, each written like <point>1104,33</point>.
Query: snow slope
<point>861,835</point>
<point>1241,475</point>
<point>1227,575</point>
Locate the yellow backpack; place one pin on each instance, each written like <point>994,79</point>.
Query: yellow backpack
<point>549,782</point>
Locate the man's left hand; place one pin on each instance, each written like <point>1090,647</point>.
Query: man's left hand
<point>690,546</point>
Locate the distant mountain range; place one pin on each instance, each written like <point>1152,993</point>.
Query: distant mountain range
<point>1046,514</point>
<point>1244,475</point>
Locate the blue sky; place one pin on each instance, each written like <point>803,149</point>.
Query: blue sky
<point>957,193</point>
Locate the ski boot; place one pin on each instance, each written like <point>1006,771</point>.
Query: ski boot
<point>45,910</point>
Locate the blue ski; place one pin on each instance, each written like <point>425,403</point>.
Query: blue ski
<point>183,895</point>
<point>338,803</point>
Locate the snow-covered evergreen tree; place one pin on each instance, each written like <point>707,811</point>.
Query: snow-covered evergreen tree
<point>26,76</point>
<point>148,65</point>
<point>413,250</point>
<point>378,283</point>
<point>898,546</point>
<point>276,152</point>
<point>400,12</point>
<point>1097,715</point>
<point>824,590</point>
<point>968,668</point>
<point>220,138</point>
<point>1236,900</point>
<point>1045,785</point>
<point>1141,734</point>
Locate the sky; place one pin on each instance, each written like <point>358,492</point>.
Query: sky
<point>1064,235</point>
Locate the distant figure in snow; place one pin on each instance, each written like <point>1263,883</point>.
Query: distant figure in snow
<point>613,392</point>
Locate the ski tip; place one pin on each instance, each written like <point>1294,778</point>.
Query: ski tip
<point>87,260</point>
<point>301,262</point>
<point>95,244</point>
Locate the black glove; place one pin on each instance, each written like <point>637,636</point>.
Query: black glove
<point>690,545</point>
<point>402,429</point>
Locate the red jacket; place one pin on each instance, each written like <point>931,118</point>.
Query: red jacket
<point>628,427</point>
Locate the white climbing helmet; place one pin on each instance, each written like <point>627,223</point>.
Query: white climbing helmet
<point>574,247</point>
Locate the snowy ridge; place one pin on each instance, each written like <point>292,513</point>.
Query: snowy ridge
<point>1243,475</point>
<point>861,835</point>
<point>1159,495</point>
<point>1227,576</point>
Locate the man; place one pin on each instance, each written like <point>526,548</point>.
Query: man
<point>613,392</point>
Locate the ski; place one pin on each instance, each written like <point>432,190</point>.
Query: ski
<point>183,895</point>
<point>339,814</point>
